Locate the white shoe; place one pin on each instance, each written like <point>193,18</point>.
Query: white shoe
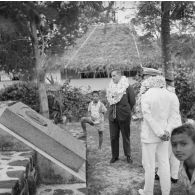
<point>141,192</point>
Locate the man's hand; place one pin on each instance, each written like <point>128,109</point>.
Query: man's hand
<point>165,136</point>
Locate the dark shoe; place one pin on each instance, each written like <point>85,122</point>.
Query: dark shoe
<point>129,160</point>
<point>113,160</point>
<point>174,180</point>
<point>156,176</point>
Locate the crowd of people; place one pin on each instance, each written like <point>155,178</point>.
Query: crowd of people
<point>168,146</point>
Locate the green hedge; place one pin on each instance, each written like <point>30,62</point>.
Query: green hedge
<point>72,102</point>
<point>24,92</point>
<point>185,90</point>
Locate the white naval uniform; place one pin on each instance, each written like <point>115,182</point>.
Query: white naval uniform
<point>155,104</point>
<point>173,122</point>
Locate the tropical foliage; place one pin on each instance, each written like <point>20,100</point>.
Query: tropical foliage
<point>185,90</point>
<point>65,101</point>
<point>180,17</point>
<point>58,25</point>
<point>149,16</point>
<point>49,27</point>
<point>24,92</point>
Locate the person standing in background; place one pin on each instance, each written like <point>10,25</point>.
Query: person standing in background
<point>173,122</point>
<point>155,107</point>
<point>121,99</point>
<point>95,118</point>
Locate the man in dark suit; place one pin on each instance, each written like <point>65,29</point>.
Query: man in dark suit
<point>121,100</point>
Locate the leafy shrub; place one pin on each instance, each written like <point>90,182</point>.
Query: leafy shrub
<point>75,103</point>
<point>191,113</point>
<point>24,92</point>
<point>69,101</point>
<point>185,91</point>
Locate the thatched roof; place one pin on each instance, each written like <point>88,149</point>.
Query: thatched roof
<point>105,50</point>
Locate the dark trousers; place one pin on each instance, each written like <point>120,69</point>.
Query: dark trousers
<point>115,128</point>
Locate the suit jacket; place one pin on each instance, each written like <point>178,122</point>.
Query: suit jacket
<point>124,106</point>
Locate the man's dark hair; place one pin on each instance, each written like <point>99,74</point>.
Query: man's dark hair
<point>169,80</point>
<point>187,128</point>
<point>116,70</point>
<point>95,92</point>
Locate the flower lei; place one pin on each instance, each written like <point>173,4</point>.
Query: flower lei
<point>171,89</point>
<point>151,82</point>
<point>115,92</point>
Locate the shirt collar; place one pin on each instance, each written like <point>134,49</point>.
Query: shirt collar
<point>95,103</point>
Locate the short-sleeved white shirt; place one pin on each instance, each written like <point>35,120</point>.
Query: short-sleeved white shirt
<point>97,111</point>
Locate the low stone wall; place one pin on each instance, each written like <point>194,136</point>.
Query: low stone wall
<point>18,173</point>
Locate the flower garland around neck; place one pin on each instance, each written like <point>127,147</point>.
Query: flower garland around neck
<point>171,89</point>
<point>116,91</point>
<point>151,82</point>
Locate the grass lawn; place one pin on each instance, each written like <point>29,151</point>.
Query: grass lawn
<point>119,178</point>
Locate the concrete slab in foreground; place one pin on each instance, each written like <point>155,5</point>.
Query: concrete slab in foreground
<point>54,143</point>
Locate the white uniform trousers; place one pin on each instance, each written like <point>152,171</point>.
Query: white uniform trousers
<point>161,151</point>
<point>174,163</point>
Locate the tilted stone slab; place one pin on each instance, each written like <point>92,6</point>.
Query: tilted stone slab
<point>42,135</point>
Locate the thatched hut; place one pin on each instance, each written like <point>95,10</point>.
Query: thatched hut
<point>100,50</point>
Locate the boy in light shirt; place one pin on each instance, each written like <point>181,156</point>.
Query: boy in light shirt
<point>96,111</point>
<point>183,146</point>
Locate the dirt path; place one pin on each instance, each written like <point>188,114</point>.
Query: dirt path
<point>118,178</point>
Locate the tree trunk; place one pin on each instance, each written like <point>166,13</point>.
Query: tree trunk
<point>44,108</point>
<point>111,3</point>
<point>165,39</point>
